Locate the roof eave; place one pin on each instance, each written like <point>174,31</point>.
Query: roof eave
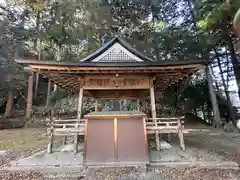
<point>26,62</point>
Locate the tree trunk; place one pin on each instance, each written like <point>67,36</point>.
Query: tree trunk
<point>48,93</point>
<point>35,42</point>
<point>227,80</point>
<point>216,114</point>
<point>192,12</point>
<point>58,58</point>
<point>216,83</point>
<point>229,103</point>
<point>37,45</point>
<point>176,91</point>
<point>29,97</point>
<point>37,75</point>
<point>9,105</point>
<point>195,112</point>
<point>204,116</point>
<point>36,86</point>
<point>235,62</point>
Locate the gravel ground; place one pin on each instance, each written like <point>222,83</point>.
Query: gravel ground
<point>163,174</point>
<point>24,141</point>
<point>7,156</point>
<point>20,142</point>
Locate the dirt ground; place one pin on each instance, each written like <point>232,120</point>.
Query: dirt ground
<point>21,142</point>
<point>217,143</point>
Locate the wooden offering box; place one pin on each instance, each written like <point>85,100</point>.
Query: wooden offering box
<point>115,137</point>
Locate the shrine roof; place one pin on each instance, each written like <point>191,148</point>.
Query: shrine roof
<point>115,57</point>
<point>115,53</point>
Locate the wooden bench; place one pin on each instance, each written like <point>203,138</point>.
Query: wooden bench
<point>68,127</point>
<point>167,126</point>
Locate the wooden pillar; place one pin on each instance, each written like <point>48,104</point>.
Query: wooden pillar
<point>51,136</point>
<point>216,114</point>
<point>29,97</point>
<point>79,113</point>
<point>80,101</point>
<point>138,104</point>
<point>154,114</point>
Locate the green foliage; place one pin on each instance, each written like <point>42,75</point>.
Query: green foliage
<point>167,30</point>
<point>12,76</point>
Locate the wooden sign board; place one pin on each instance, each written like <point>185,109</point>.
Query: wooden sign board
<point>116,82</point>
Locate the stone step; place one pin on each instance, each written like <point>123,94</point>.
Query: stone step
<point>200,164</point>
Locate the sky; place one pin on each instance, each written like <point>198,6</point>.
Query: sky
<point>2,2</point>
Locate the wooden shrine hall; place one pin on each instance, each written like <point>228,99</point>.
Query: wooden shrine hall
<point>115,71</point>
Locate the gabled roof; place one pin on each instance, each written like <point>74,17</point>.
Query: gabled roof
<point>117,50</point>
<point>115,57</point>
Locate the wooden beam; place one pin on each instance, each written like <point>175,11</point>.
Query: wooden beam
<point>114,71</point>
<point>164,76</point>
<point>216,114</point>
<point>29,97</point>
<point>76,68</point>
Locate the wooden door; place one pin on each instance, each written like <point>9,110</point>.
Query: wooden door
<point>131,145</point>
<point>100,142</point>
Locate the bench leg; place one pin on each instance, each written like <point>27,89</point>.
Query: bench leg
<point>65,140</point>
<point>76,143</point>
<point>50,144</point>
<point>181,138</point>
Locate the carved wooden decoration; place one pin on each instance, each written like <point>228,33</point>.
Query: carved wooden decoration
<point>116,82</point>
<point>119,94</point>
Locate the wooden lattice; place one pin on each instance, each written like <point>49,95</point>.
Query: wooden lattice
<point>116,55</point>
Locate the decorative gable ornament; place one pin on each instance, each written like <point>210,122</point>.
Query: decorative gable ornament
<point>117,53</point>
<point>117,50</point>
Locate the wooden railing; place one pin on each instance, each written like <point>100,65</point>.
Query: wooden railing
<point>166,126</point>
<point>68,127</point>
